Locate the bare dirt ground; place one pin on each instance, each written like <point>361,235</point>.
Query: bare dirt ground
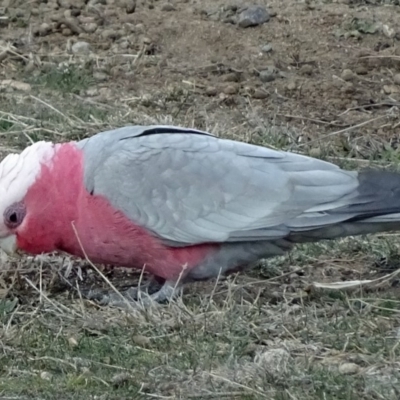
<point>320,78</point>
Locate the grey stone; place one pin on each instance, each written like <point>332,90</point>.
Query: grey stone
<point>81,48</point>
<point>267,48</point>
<point>268,74</point>
<point>253,16</point>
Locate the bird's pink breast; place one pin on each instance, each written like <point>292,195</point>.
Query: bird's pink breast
<point>63,215</point>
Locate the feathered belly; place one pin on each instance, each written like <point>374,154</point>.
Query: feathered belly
<point>105,235</point>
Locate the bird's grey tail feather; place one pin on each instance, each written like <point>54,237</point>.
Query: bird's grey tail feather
<point>375,208</point>
<point>378,194</point>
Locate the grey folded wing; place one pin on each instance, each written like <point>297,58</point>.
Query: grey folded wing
<point>189,187</point>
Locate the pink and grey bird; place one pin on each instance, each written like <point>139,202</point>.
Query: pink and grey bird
<point>181,203</point>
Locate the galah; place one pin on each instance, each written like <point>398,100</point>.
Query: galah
<point>182,204</point>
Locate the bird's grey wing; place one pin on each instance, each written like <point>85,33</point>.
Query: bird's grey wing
<point>188,187</point>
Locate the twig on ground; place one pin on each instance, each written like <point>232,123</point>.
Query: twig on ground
<point>350,128</point>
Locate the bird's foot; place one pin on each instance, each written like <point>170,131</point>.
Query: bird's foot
<point>149,293</point>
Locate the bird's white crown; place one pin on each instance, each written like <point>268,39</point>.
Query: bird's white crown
<point>19,171</point>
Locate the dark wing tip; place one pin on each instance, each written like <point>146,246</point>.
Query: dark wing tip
<point>170,130</point>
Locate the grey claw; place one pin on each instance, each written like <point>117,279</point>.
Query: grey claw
<point>134,297</point>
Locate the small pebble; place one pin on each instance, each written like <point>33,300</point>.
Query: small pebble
<point>44,29</point>
<point>250,349</point>
<point>56,16</point>
<point>46,376</point>
<point>348,88</point>
<point>315,152</point>
<point>66,32</point>
<point>81,48</point>
<point>306,69</point>
<point>130,6</point>
<point>268,74</point>
<point>389,89</point>
<point>121,378</point>
<point>91,92</point>
<point>274,361</point>
<point>168,7</point>
<point>253,16</point>
<point>347,75</point>
<point>64,3</point>
<point>110,34</point>
<point>109,12</point>
<point>361,70</point>
<point>146,41</point>
<point>260,94</point>
<point>100,76</point>
<point>388,32</point>
<point>72,342</point>
<point>211,91</point>
<point>140,340</point>
<point>349,368</point>
<point>267,48</point>
<point>232,77</point>
<point>91,27</point>
<point>231,89</point>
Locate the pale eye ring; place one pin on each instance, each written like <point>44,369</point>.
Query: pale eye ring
<point>14,215</point>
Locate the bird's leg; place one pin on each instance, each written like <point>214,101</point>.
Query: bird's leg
<point>137,296</point>
<point>149,287</point>
<point>101,295</point>
<point>169,291</point>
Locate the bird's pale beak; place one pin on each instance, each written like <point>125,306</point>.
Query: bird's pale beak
<point>9,244</point>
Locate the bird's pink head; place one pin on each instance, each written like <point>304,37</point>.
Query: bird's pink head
<point>18,172</point>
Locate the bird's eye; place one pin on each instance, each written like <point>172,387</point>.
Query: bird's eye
<point>14,215</point>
